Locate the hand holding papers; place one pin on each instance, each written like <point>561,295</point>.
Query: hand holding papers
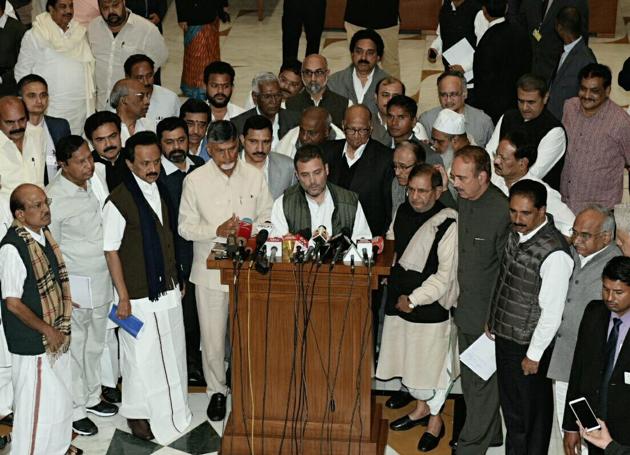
<point>480,358</point>
<point>461,53</point>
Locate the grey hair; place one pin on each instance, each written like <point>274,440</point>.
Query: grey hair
<point>261,78</point>
<point>609,220</point>
<point>120,90</point>
<point>221,131</point>
<point>622,217</point>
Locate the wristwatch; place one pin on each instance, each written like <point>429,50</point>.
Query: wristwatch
<point>411,304</point>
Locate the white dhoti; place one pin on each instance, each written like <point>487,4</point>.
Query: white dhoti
<point>6,384</point>
<point>110,359</point>
<point>154,372</point>
<point>86,349</point>
<point>42,423</point>
<point>422,356</point>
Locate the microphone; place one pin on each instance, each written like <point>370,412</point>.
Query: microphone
<point>231,248</point>
<point>342,243</point>
<point>261,238</point>
<point>317,242</point>
<point>352,263</point>
<point>364,246</point>
<point>366,259</point>
<point>379,243</point>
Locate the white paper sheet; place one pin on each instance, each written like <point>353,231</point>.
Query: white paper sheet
<point>81,289</point>
<point>461,53</point>
<point>479,357</point>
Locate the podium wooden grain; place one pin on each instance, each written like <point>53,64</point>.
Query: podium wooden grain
<point>342,417</point>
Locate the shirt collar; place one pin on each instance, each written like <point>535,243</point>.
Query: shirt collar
<point>275,119</point>
<point>170,167</point>
<point>3,19</point>
<point>70,187</point>
<point>586,259</point>
<point>496,21</point>
<point>39,238</point>
<point>525,237</point>
<point>571,45</point>
<point>145,187</point>
<point>625,319</point>
<point>357,154</point>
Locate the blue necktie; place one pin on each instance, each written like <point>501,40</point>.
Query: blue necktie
<point>611,348</point>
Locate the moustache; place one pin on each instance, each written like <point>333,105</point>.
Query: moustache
<point>365,62</point>
<point>152,174</point>
<point>260,154</point>
<point>113,19</point>
<point>518,225</point>
<point>17,131</point>
<point>110,148</point>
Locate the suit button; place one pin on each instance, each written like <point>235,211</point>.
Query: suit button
<point>577,281</point>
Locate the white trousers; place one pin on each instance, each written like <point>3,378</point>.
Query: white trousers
<point>390,61</point>
<point>560,392</point>
<point>434,398</point>
<point>42,423</point>
<point>110,363</point>
<point>213,307</point>
<point>6,384</point>
<point>86,349</point>
<point>154,373</point>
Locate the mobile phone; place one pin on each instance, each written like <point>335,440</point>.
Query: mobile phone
<point>584,413</point>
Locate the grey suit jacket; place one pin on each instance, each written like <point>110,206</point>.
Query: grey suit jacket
<point>478,124</point>
<point>281,174</point>
<point>565,83</point>
<point>341,83</point>
<point>379,132</point>
<point>584,286</point>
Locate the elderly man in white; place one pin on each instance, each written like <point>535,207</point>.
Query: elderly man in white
<point>57,49</point>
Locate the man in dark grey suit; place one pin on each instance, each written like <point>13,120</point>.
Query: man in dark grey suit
<point>267,97</point>
<point>256,142</point>
<point>539,16</point>
<point>576,55</point>
<point>483,228</point>
<point>366,51</point>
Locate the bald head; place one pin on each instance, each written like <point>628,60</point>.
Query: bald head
<point>29,205</point>
<point>130,97</point>
<point>315,74</point>
<point>13,119</point>
<point>593,230</point>
<point>314,126</point>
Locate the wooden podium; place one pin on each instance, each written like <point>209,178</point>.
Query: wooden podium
<point>302,359</point>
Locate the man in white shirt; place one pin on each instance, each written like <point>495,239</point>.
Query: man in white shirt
<point>358,81</point>
<point>196,114</point>
<point>33,90</point>
<point>20,147</point>
<point>545,131</point>
<point>78,195</point>
<point>131,100</point>
<point>36,312</point>
<point>114,37</point>
<point>328,204</point>
<point>526,312</point>
<point>315,127</point>
<point>138,223</point>
<point>513,161</point>
<point>164,103</point>
<point>57,49</point>
<point>215,198</point>
<point>219,79</point>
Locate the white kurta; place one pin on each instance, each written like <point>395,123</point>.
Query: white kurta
<point>65,77</point>
<point>153,365</point>
<point>164,103</point>
<point>138,36</point>
<point>22,167</point>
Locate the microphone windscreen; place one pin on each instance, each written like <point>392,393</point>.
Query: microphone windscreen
<point>379,243</point>
<point>261,237</point>
<point>244,228</point>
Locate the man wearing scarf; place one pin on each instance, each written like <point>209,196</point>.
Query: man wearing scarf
<point>138,239</point>
<point>57,49</point>
<point>36,311</point>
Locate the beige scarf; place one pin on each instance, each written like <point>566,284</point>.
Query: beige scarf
<point>72,44</point>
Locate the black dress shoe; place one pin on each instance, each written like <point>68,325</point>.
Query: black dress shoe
<point>429,442</point>
<point>111,394</point>
<point>140,428</point>
<point>399,400</point>
<point>195,377</point>
<point>407,423</point>
<point>84,427</point>
<point>216,408</point>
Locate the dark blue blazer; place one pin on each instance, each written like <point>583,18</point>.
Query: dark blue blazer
<point>58,128</point>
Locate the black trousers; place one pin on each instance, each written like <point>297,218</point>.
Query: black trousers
<point>527,401</point>
<point>296,14</point>
<point>191,327</point>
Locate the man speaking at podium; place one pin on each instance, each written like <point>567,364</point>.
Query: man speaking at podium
<point>314,202</point>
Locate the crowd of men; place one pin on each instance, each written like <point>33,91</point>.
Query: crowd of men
<point>503,204</point>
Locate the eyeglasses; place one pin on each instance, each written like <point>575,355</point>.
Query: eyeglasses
<point>450,94</point>
<point>584,236</point>
<point>317,73</point>
<point>355,131</point>
<point>142,96</point>
<point>270,96</point>
<point>402,167</point>
<point>39,205</point>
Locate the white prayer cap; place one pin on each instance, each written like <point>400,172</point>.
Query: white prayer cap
<point>450,122</point>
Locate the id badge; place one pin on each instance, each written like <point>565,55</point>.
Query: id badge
<point>536,34</point>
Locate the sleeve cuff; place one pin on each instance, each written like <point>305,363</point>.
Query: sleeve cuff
<point>534,353</point>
